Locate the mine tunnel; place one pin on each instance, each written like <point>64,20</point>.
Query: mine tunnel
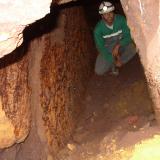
<point>53,105</point>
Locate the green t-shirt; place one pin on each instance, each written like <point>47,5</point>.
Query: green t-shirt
<point>102,32</point>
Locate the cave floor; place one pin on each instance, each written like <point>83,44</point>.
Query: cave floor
<point>118,116</point>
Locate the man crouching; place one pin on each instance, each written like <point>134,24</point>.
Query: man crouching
<point>113,40</point>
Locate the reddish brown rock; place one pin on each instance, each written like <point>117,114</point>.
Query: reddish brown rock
<point>14,100</point>
<point>60,64</point>
<point>65,67</point>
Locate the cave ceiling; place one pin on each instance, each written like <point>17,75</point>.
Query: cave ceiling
<point>16,16</point>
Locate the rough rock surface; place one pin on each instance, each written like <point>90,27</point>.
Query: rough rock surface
<point>56,67</point>
<point>15,16</point>
<point>65,68</point>
<point>14,99</point>
<point>143,17</point>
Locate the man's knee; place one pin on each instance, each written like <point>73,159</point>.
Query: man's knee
<point>129,53</point>
<point>101,65</point>
<point>99,72</point>
<point>132,48</point>
<point>102,69</point>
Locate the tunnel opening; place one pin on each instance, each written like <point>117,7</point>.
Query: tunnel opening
<point>71,108</point>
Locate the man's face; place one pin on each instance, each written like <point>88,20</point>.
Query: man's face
<point>108,17</point>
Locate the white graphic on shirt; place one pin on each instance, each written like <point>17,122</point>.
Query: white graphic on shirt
<point>113,34</point>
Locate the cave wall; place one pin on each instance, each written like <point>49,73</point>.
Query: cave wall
<point>14,99</point>
<point>15,16</point>
<point>143,19</point>
<point>42,93</point>
<point>65,68</point>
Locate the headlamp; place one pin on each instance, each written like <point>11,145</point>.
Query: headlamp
<point>104,8</point>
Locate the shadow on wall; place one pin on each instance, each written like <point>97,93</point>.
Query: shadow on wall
<point>32,31</point>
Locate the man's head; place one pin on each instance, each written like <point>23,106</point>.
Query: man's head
<point>106,10</point>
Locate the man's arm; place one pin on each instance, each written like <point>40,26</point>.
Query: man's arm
<point>126,36</point>
<point>100,44</point>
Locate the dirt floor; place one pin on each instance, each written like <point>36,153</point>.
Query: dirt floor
<point>117,118</point>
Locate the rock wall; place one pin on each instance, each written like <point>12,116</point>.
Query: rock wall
<point>56,67</point>
<point>15,16</point>
<point>65,67</point>
<point>143,18</point>
<point>14,99</point>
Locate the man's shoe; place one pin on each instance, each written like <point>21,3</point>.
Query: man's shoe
<point>115,71</point>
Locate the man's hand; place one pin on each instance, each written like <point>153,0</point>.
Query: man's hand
<point>118,63</point>
<point>116,55</point>
<point>115,51</point>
